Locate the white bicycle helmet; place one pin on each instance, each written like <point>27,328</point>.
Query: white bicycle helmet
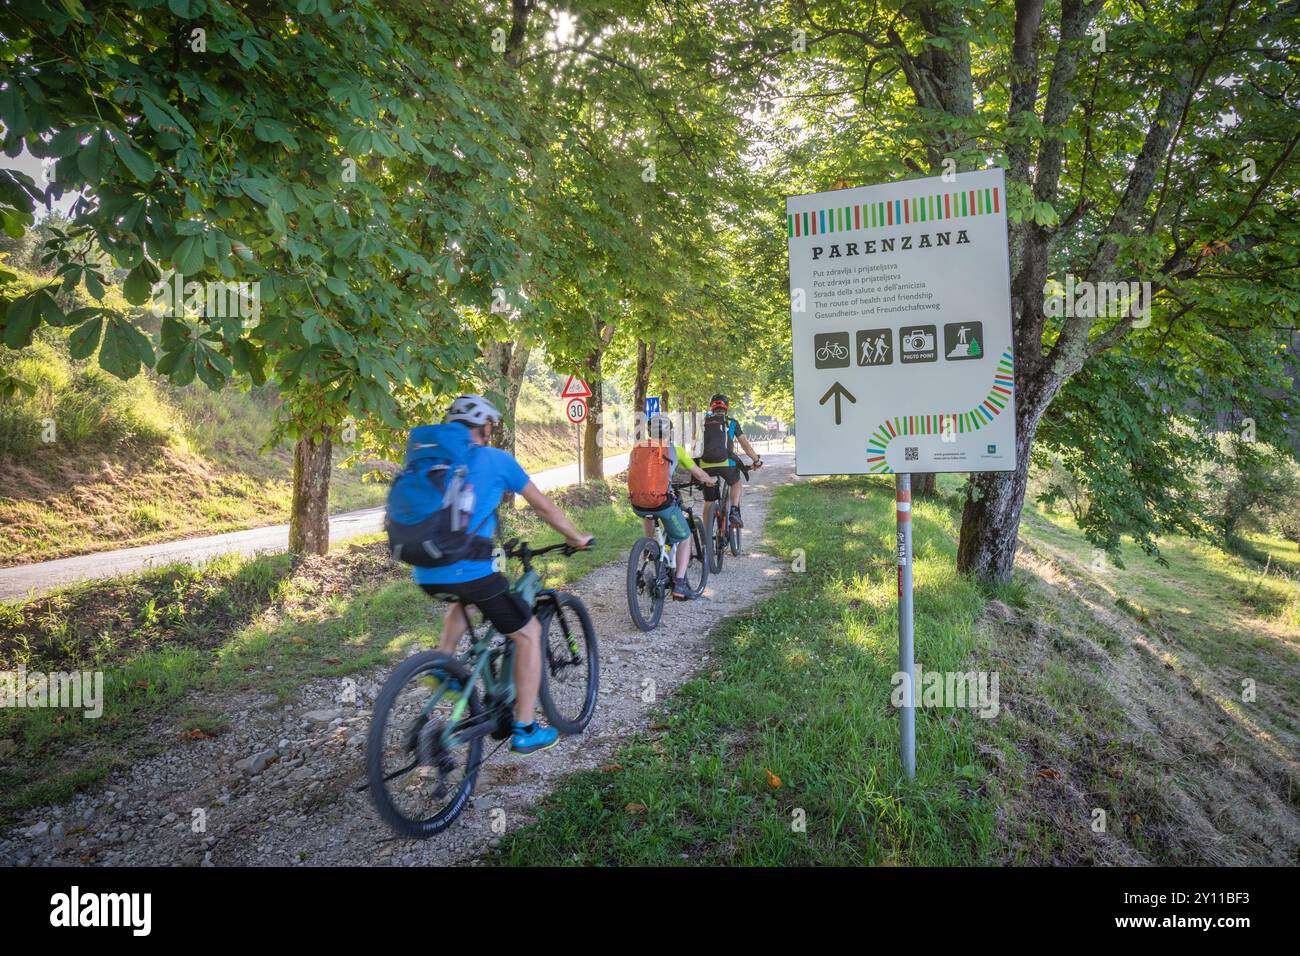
<point>473,410</point>
<point>660,428</point>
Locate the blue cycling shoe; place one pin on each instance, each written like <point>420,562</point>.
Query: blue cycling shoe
<point>530,738</point>
<point>436,678</point>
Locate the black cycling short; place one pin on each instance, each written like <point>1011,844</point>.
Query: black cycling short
<point>729,473</point>
<point>492,596</point>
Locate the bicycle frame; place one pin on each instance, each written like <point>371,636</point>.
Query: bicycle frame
<point>499,681</point>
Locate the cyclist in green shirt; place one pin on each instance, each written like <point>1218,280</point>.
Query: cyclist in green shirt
<point>660,428</point>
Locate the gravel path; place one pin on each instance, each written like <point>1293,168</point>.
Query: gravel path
<point>279,786</point>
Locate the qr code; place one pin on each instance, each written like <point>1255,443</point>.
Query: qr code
<point>912,454</point>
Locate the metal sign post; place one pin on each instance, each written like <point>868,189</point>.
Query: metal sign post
<point>906,713</point>
<point>576,390</point>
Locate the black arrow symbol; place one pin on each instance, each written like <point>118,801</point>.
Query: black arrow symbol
<point>837,390</point>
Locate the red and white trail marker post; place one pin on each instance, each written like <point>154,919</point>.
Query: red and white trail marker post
<point>900,311</point>
<point>906,713</point>
<point>577,393</point>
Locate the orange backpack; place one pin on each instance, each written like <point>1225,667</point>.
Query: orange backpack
<point>649,470</point>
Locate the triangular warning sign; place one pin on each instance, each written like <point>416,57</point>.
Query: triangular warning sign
<point>575,388</point>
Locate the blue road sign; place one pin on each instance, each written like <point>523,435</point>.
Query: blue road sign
<point>651,406</point>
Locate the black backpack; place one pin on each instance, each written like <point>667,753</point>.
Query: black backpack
<point>717,444</point>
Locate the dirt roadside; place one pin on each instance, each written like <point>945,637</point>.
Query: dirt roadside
<point>279,786</point>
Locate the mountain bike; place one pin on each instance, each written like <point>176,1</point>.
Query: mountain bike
<point>717,516</point>
<point>650,566</point>
<point>425,744</point>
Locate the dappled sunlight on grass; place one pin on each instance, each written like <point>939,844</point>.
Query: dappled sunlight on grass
<point>801,693</point>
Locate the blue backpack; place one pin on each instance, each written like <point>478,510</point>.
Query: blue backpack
<point>429,506</point>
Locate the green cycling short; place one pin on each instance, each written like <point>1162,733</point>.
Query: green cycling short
<point>675,526</point>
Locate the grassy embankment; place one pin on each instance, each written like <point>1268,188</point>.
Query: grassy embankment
<point>1120,692</point>
<point>91,463</point>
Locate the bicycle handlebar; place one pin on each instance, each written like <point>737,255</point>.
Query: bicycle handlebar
<point>514,548</point>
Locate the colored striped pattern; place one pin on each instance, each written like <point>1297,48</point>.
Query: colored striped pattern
<point>896,212</point>
<point>998,398</point>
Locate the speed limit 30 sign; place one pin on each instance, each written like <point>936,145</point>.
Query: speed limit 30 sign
<point>576,410</point>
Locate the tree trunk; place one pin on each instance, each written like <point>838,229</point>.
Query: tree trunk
<point>925,485</point>
<point>990,519</point>
<point>645,359</point>
<point>593,451</point>
<point>309,518</point>
<point>507,361</point>
<point>593,438</point>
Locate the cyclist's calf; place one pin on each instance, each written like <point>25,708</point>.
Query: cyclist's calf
<point>528,656</point>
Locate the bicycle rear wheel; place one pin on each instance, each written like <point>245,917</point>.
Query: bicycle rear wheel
<point>418,785</point>
<point>715,518</point>
<point>735,540</point>
<point>697,569</point>
<point>570,666</point>
<point>645,584</point>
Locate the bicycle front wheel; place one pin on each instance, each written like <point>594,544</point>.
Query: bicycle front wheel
<point>645,584</point>
<point>735,540</point>
<point>418,783</point>
<point>570,666</point>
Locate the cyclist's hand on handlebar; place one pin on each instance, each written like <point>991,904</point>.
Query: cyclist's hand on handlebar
<point>582,542</point>
<point>758,462</point>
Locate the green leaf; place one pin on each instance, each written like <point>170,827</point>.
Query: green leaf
<point>125,348</point>
<point>137,287</point>
<point>21,319</point>
<point>188,257</point>
<point>94,160</point>
<point>141,166</point>
<point>276,215</point>
<point>311,329</point>
<point>11,387</point>
<point>63,143</point>
<point>51,311</point>
<point>94,285</point>
<point>178,365</point>
<point>85,338</point>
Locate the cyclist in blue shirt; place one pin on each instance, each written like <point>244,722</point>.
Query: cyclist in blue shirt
<point>491,473</point>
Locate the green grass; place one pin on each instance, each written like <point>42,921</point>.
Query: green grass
<point>1215,605</point>
<point>236,624</point>
<point>792,720</point>
<point>1283,553</point>
<point>800,691</point>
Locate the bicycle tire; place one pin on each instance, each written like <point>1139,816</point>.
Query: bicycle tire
<point>713,517</point>
<point>701,544</point>
<point>399,821</point>
<point>638,585</point>
<point>569,608</point>
<point>735,541</point>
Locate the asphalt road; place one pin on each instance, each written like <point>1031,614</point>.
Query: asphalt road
<point>36,579</point>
